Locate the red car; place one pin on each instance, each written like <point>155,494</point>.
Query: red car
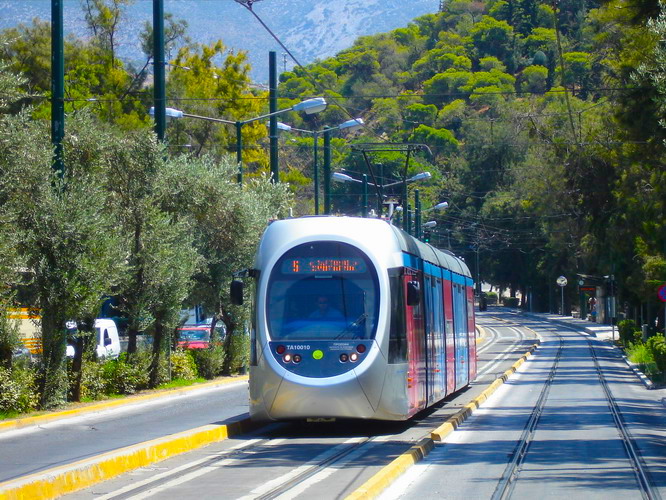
<point>194,337</point>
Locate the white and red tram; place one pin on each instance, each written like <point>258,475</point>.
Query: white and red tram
<point>354,318</point>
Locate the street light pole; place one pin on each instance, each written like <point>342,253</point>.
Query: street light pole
<point>315,176</point>
<point>417,214</point>
<point>327,171</point>
<point>272,122</point>
<point>239,152</point>
<point>159,69</point>
<point>365,196</point>
<point>58,83</point>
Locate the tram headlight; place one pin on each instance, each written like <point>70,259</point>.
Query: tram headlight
<point>297,358</point>
<point>286,358</point>
<point>353,357</point>
<point>344,358</point>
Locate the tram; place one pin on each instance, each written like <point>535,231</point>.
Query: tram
<point>354,318</point>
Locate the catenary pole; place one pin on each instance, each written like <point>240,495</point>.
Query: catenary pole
<point>327,171</point>
<point>272,123</point>
<point>159,69</point>
<point>57,86</point>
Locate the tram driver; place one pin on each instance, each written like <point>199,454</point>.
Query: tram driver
<point>325,311</point>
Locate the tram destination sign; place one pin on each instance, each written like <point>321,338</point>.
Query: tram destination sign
<point>312,265</point>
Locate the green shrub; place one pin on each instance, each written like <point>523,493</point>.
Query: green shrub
<point>510,301</point>
<point>92,380</point>
<point>209,361</point>
<point>126,374</point>
<point>18,389</point>
<point>491,297</point>
<point>628,331</point>
<point>657,347</point>
<point>240,352</point>
<point>183,365</point>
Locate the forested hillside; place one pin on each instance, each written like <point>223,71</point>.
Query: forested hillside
<point>545,130</point>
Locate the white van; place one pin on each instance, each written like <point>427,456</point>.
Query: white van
<point>107,340</point>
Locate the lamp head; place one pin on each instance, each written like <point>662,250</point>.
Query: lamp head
<point>352,125</point>
<point>420,177</point>
<point>311,106</point>
<point>340,177</point>
<point>283,126</point>
<point>170,112</point>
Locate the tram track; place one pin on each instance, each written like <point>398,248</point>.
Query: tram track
<point>512,471</point>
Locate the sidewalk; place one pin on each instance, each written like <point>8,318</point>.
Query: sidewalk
<point>602,332</point>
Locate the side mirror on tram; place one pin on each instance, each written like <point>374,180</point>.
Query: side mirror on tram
<point>413,293</point>
<point>237,292</point>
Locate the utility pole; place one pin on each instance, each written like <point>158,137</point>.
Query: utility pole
<point>57,86</point>
<point>272,122</point>
<point>327,172</point>
<point>159,69</point>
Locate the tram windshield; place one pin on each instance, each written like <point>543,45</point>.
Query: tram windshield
<point>323,291</point>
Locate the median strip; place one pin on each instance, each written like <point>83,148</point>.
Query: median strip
<point>69,478</point>
<point>373,487</point>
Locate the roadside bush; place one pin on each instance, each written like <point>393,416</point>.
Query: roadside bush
<point>657,347</point>
<point>18,389</point>
<point>9,337</point>
<point>628,331</point>
<point>209,361</point>
<point>92,380</point>
<point>240,352</point>
<point>510,301</point>
<point>126,374</point>
<point>183,365</point>
<point>491,297</point>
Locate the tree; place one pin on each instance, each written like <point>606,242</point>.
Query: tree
<point>103,18</point>
<point>227,221</point>
<point>69,241</point>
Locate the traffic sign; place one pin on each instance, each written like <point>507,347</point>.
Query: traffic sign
<point>562,281</point>
<point>662,292</point>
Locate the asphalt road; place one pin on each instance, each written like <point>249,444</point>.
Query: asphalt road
<point>314,460</point>
<point>576,449</point>
<point>34,449</point>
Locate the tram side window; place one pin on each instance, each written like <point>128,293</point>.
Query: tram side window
<point>398,333</point>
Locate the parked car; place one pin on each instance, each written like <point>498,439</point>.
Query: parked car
<point>106,336</point>
<point>194,337</point>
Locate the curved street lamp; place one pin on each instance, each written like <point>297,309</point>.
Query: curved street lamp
<point>308,106</point>
<point>342,177</point>
<point>350,126</point>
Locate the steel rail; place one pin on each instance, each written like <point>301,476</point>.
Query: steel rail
<point>508,480</point>
<point>643,478</point>
<point>641,471</point>
<point>312,470</point>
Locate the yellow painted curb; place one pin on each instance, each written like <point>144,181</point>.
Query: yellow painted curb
<point>65,479</point>
<point>482,334</point>
<point>382,479</point>
<point>105,405</point>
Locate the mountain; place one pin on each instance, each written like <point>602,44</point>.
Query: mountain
<point>310,29</point>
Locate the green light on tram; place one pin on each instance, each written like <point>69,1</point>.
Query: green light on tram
<point>318,354</point>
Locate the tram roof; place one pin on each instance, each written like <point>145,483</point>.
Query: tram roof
<point>430,254</point>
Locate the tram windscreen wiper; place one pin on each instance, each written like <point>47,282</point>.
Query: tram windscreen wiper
<point>351,326</point>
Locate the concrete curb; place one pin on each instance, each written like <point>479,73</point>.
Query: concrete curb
<point>643,378</point>
<point>374,486</point>
<point>114,403</point>
<point>69,478</point>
